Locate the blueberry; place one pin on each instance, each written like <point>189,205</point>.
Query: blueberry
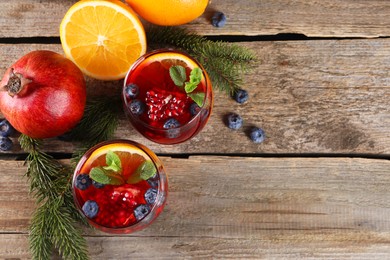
<point>90,208</point>
<point>241,96</point>
<point>141,211</point>
<point>150,195</point>
<point>131,90</point>
<point>137,107</point>
<point>171,123</point>
<point>257,135</point>
<point>194,109</point>
<point>97,185</point>
<point>153,181</point>
<point>6,128</point>
<point>83,181</point>
<point>234,121</point>
<point>218,19</point>
<point>5,143</point>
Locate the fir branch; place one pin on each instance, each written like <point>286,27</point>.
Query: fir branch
<point>224,62</point>
<point>54,219</point>
<point>100,120</point>
<point>41,246</point>
<point>65,237</point>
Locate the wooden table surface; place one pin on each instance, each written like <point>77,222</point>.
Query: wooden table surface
<point>317,188</point>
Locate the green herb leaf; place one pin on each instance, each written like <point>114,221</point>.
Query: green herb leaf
<point>178,75</point>
<point>100,175</point>
<point>198,98</point>
<point>189,87</point>
<point>148,170</point>
<point>113,162</point>
<point>145,171</point>
<point>196,76</point>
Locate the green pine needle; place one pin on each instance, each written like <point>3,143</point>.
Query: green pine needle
<point>53,224</point>
<point>224,62</point>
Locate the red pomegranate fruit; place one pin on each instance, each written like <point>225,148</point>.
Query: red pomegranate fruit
<point>43,94</point>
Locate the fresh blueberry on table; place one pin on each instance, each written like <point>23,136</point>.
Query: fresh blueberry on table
<point>257,135</point>
<point>83,181</point>
<point>5,143</point>
<point>6,128</point>
<point>90,208</point>
<point>234,121</point>
<point>150,195</point>
<point>241,96</point>
<point>132,90</point>
<point>141,211</point>
<point>218,19</point>
<point>137,107</point>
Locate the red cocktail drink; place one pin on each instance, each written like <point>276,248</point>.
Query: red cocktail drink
<point>120,186</point>
<point>167,96</point>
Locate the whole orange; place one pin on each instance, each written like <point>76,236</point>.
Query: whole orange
<point>169,12</point>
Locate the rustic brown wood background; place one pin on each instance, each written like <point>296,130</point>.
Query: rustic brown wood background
<point>317,188</point>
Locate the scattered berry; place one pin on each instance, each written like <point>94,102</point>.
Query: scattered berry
<point>5,143</point>
<point>6,128</point>
<point>257,135</point>
<point>171,123</point>
<point>150,195</point>
<point>141,211</point>
<point>234,121</point>
<point>97,185</point>
<point>131,90</point>
<point>83,181</point>
<point>90,208</point>
<point>241,96</point>
<point>218,19</point>
<point>137,107</point>
<point>194,109</point>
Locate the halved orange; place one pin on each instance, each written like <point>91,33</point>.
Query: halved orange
<point>169,12</point>
<point>102,37</point>
<point>131,158</point>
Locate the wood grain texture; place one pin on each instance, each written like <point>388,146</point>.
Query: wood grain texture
<point>350,18</point>
<point>289,208</point>
<point>328,96</point>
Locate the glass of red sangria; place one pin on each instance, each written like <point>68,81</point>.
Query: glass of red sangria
<point>120,186</point>
<point>167,96</point>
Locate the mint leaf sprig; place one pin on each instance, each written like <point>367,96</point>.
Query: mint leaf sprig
<point>179,77</point>
<point>112,173</point>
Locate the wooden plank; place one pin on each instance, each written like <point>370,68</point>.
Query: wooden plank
<point>350,18</point>
<point>231,207</point>
<point>204,248</point>
<point>324,96</point>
